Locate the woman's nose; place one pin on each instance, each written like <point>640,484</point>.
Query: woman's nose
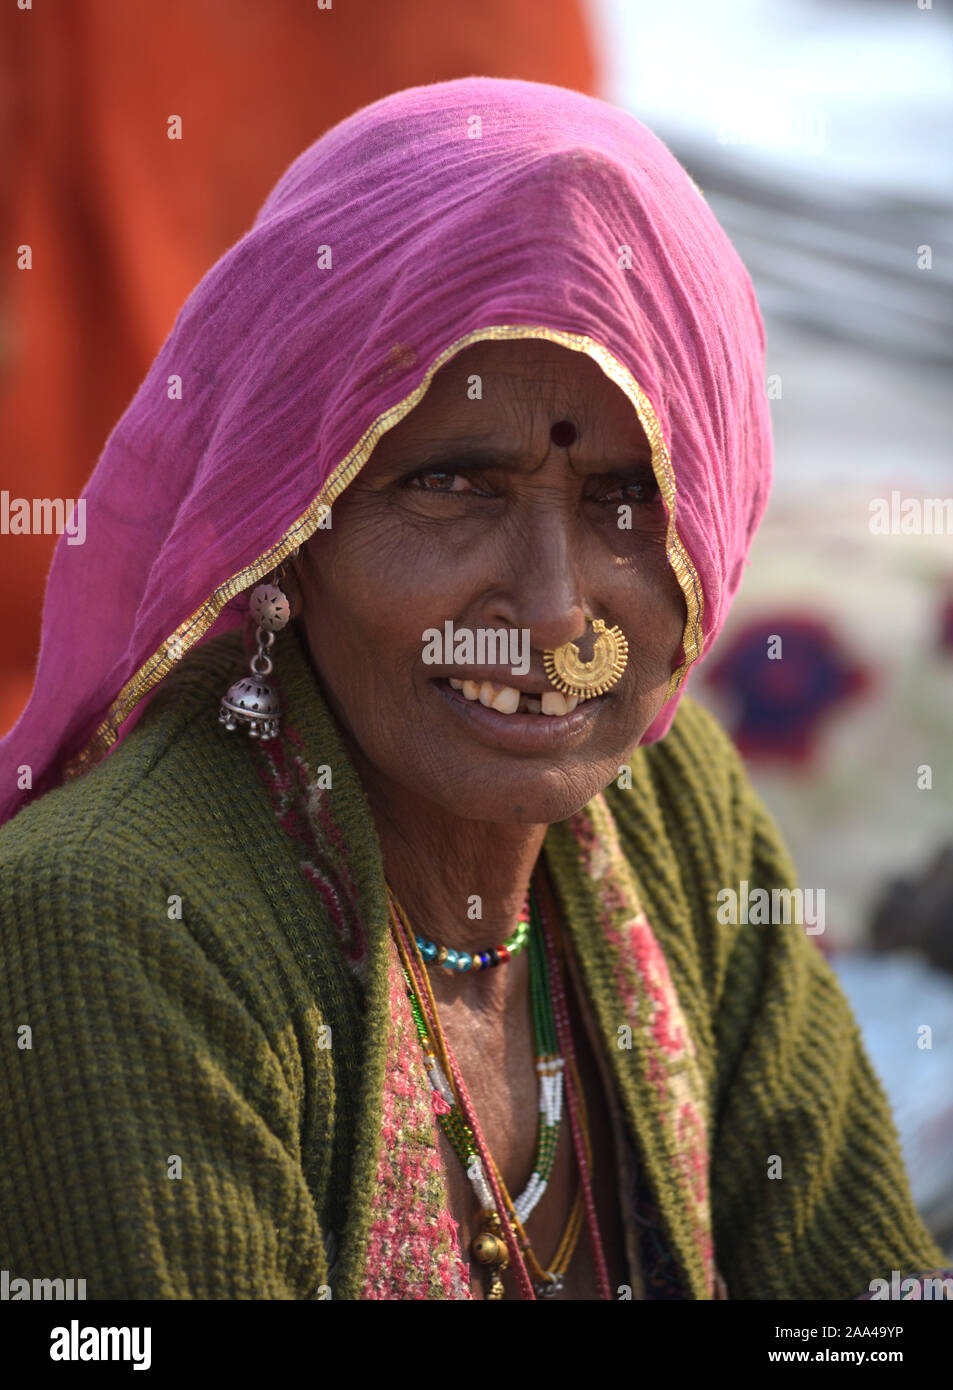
<point>544,588</point>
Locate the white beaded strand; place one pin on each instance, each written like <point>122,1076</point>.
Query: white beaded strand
<point>550,1107</point>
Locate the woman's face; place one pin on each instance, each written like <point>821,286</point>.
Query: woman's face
<point>424,536</point>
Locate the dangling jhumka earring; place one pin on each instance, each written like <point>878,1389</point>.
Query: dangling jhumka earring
<point>252,702</point>
<point>568,672</point>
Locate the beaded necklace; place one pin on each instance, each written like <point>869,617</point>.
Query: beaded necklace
<point>495,1246</point>
<point>459,962</point>
<point>548,1067</point>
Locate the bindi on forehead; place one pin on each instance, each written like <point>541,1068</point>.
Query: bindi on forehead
<point>563,433</point>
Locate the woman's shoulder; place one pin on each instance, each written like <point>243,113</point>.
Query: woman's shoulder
<point>150,866</point>
<point>695,737</point>
<point>695,772</point>
<point>688,800</point>
<point>156,792</point>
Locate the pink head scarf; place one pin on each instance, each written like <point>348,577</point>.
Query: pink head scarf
<point>481,208</point>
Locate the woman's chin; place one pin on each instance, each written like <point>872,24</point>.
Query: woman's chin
<point>540,798</point>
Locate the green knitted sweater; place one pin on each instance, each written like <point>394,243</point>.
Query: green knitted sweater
<point>200,1025</point>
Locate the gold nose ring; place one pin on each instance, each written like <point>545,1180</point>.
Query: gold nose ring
<point>568,672</point>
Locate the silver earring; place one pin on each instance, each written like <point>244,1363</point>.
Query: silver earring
<point>252,702</point>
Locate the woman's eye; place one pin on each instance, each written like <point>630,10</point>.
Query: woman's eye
<point>641,492</point>
<point>434,481</point>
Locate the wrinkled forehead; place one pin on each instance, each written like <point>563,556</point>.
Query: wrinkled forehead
<point>534,370</point>
<point>519,395</point>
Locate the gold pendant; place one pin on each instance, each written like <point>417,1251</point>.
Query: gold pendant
<point>569,673</point>
<point>489,1248</point>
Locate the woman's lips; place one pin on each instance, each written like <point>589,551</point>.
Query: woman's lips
<point>531,733</point>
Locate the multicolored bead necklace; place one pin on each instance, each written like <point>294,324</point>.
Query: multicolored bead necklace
<point>458,962</point>
<point>495,1246</point>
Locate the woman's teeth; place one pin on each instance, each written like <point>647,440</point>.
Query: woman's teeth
<point>509,701</point>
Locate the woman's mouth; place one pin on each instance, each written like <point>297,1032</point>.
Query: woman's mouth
<point>520,721</point>
<point>506,699</point>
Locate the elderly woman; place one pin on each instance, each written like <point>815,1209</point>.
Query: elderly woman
<point>379,957</point>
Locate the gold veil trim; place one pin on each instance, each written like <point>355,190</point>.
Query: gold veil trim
<point>162,661</point>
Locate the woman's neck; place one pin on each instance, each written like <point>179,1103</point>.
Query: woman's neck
<point>462,883</point>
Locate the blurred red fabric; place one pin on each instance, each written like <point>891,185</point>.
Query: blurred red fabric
<point>123,222</point>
